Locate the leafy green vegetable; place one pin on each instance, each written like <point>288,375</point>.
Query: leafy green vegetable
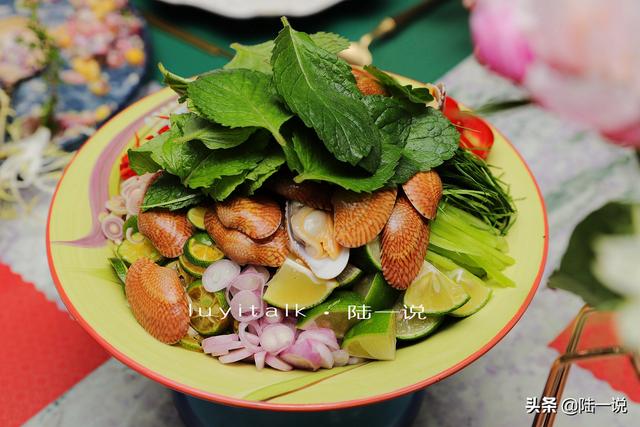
<point>175,82</point>
<point>143,159</point>
<point>212,135</point>
<point>316,163</point>
<point>321,90</point>
<point>167,192</point>
<point>267,167</point>
<point>224,186</point>
<point>239,98</point>
<point>575,273</point>
<point>418,95</point>
<point>257,57</point>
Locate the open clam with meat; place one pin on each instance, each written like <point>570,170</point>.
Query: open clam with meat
<point>307,222</point>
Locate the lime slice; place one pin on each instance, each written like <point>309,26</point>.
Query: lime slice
<point>130,252</point>
<point>196,216</point>
<point>201,251</point>
<point>207,310</point>
<point>373,338</point>
<point>349,275</point>
<point>131,222</point>
<point>190,343</point>
<point>376,292</point>
<point>333,313</point>
<point>413,326</point>
<point>475,287</point>
<point>190,268</point>
<point>120,268</point>
<point>184,277</point>
<point>367,257</point>
<point>294,286</point>
<point>434,293</point>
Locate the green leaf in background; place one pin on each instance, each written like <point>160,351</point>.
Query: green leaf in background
<point>212,135</point>
<point>167,192</point>
<point>144,159</point>
<point>258,56</point>
<point>239,98</point>
<point>316,163</point>
<point>321,90</point>
<point>418,95</point>
<point>575,273</point>
<point>224,186</point>
<point>267,167</point>
<point>175,82</point>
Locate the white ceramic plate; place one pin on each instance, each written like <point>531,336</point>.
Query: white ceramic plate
<point>244,9</point>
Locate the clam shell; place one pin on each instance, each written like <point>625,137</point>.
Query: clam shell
<point>257,217</point>
<point>158,300</point>
<point>167,230</point>
<point>424,190</point>
<point>359,217</point>
<point>269,252</point>
<point>313,194</point>
<point>404,244</point>
<point>367,84</point>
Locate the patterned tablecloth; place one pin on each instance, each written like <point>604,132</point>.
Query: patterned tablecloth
<point>577,173</point>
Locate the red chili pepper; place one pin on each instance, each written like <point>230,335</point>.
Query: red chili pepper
<point>475,134</point>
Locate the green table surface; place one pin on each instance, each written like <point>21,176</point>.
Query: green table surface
<point>425,49</point>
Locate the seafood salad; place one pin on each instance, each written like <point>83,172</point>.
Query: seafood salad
<point>306,214</point>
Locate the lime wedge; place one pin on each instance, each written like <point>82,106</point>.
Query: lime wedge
<point>294,286</point>
<point>190,343</point>
<point>434,293</point>
<point>475,287</point>
<point>349,275</point>
<point>413,326</point>
<point>373,338</point>
<point>367,257</point>
<point>333,313</point>
<point>207,310</point>
<point>376,292</point>
<point>190,268</point>
<point>196,216</point>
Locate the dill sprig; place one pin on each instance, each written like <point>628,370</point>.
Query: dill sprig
<point>470,185</point>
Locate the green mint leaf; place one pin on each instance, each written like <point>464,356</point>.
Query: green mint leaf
<point>175,82</point>
<point>167,192</point>
<point>575,273</point>
<point>257,57</point>
<point>321,90</point>
<point>224,186</point>
<point>316,163</point>
<point>212,135</point>
<point>267,167</point>
<point>239,98</point>
<point>142,159</point>
<point>418,95</point>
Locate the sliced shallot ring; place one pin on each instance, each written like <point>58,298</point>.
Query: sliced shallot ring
<point>248,281</point>
<point>247,339</point>
<point>277,363</point>
<point>235,356</point>
<point>326,356</point>
<point>276,337</point>
<point>112,227</point>
<point>259,358</point>
<point>222,349</point>
<point>220,274</point>
<point>259,270</point>
<point>323,335</point>
<point>220,339</point>
<point>340,357</point>
<point>246,302</point>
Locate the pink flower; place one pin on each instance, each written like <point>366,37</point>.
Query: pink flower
<point>579,58</point>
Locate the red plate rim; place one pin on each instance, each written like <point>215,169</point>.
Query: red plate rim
<point>294,407</point>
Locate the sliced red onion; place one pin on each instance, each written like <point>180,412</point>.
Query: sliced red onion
<point>116,205</point>
<point>219,339</point>
<point>355,360</point>
<point>246,306</point>
<point>235,356</point>
<point>326,357</point>
<point>255,327</point>
<point>276,338</point>
<point>272,315</point>
<point>258,269</point>
<point>112,227</point>
<point>323,335</point>
<point>248,282</point>
<point>222,349</point>
<point>259,358</point>
<point>134,201</point>
<point>219,274</point>
<point>340,357</point>
<point>277,363</point>
<point>302,355</point>
<point>250,341</point>
<point>129,236</point>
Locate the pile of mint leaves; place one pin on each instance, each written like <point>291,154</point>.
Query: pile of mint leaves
<point>290,103</point>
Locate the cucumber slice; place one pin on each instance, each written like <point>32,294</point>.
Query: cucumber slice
<point>207,310</point>
<point>349,275</point>
<point>131,222</point>
<point>191,269</point>
<point>130,252</point>
<point>120,268</point>
<point>196,216</point>
<point>333,313</point>
<point>367,257</point>
<point>201,251</point>
<point>376,292</point>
